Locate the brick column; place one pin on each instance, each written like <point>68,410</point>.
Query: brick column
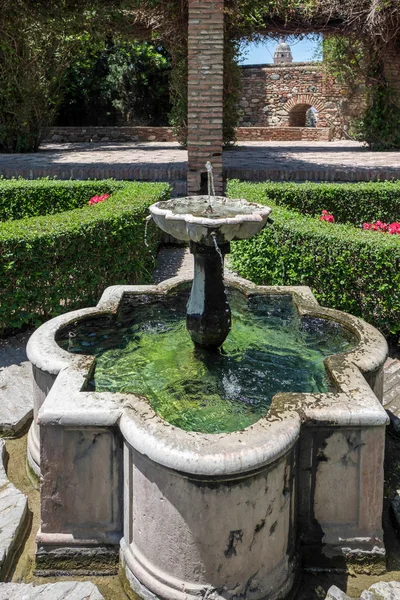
<point>205,91</point>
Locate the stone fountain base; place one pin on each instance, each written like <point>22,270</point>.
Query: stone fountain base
<point>209,515</point>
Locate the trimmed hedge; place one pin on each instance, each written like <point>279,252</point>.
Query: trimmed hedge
<point>347,268</point>
<point>20,198</point>
<point>56,263</point>
<point>354,203</point>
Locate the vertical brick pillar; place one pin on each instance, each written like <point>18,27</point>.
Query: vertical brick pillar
<point>205,91</point>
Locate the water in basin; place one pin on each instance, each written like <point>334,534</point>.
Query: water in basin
<point>270,349</point>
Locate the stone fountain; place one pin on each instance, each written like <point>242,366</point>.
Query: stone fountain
<point>200,507</point>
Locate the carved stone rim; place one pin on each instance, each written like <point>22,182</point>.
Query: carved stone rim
<point>259,214</point>
<point>214,455</point>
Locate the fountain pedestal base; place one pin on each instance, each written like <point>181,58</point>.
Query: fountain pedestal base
<point>208,317</point>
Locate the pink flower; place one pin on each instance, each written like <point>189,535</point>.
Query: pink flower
<point>326,216</point>
<point>394,228</point>
<point>97,199</point>
<point>376,226</point>
<point>380,226</point>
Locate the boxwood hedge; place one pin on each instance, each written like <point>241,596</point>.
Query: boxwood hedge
<point>21,198</point>
<point>347,268</point>
<point>354,203</point>
<point>58,262</point>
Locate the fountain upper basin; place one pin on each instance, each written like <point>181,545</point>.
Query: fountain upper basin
<point>195,218</point>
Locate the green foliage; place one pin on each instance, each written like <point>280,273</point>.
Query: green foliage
<point>380,127</point>
<point>117,81</point>
<point>35,48</point>
<point>232,88</point>
<point>56,263</point>
<point>352,62</point>
<point>344,58</point>
<point>353,203</point>
<point>347,268</point>
<point>21,198</point>
<point>178,93</point>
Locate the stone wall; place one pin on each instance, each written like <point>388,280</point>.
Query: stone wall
<point>73,135</point>
<point>60,135</point>
<point>279,95</point>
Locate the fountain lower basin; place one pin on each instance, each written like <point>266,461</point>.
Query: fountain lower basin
<point>208,515</point>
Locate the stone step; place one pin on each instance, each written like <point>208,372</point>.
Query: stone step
<point>14,518</point>
<point>16,401</point>
<point>391,386</point>
<point>63,590</point>
<point>383,590</point>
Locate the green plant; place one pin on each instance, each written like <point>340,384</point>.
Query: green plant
<point>353,203</point>
<point>347,268</point>
<point>21,198</point>
<point>117,81</point>
<point>380,127</point>
<point>58,262</point>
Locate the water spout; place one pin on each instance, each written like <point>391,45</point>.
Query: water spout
<point>210,182</point>
<point>218,250</point>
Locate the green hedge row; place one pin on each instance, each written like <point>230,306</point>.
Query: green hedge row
<point>354,203</point>
<point>21,198</point>
<point>347,268</point>
<point>56,263</point>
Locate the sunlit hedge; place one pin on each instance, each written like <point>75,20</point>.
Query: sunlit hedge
<point>54,263</point>
<point>347,268</point>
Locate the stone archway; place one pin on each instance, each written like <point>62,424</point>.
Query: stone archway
<point>297,106</point>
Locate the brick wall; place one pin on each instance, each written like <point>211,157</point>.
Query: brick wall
<point>205,89</point>
<point>290,134</point>
<point>392,70</point>
<point>278,95</point>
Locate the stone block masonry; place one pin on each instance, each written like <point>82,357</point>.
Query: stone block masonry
<point>279,95</point>
<point>205,92</point>
<point>60,135</point>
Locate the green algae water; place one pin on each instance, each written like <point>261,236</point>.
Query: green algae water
<point>270,349</point>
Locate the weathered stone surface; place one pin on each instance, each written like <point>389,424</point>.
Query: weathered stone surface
<point>334,593</point>
<point>384,590</point>
<point>16,402</point>
<point>13,518</point>
<point>65,590</point>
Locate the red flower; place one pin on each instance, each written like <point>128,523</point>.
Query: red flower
<point>376,226</point>
<point>326,216</point>
<point>394,228</point>
<point>97,199</point>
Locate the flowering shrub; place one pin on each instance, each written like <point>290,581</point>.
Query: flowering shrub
<point>346,267</point>
<point>327,216</point>
<point>40,275</point>
<point>376,226</point>
<point>97,199</point>
<point>383,227</point>
<point>394,228</point>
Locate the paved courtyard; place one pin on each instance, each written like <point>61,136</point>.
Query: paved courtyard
<point>166,161</point>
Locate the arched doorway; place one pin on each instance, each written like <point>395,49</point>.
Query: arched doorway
<point>303,115</point>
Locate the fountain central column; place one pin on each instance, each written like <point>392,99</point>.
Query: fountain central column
<point>208,316</point>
